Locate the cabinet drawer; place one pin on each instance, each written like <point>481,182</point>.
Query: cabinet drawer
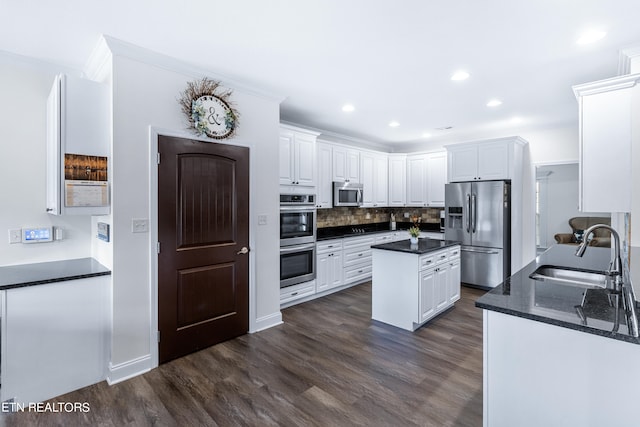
<point>385,238</point>
<point>441,256</point>
<point>454,253</point>
<point>291,293</point>
<point>363,255</point>
<point>329,246</point>
<point>427,261</point>
<point>352,242</point>
<point>357,273</point>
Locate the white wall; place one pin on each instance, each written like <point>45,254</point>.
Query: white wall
<point>146,95</point>
<point>24,86</point>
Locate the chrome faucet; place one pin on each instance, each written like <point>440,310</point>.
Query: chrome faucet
<point>615,267</point>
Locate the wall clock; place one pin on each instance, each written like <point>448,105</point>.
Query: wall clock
<point>208,110</point>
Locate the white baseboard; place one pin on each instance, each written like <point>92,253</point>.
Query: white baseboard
<point>129,369</point>
<point>267,322</point>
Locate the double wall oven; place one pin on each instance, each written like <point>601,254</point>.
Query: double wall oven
<point>297,239</point>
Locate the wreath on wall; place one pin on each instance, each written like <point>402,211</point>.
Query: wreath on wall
<point>208,109</point>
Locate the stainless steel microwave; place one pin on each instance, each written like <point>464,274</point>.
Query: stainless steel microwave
<point>347,194</point>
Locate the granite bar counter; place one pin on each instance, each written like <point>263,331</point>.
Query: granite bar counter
<point>21,275</point>
<point>326,233</point>
<point>424,246</point>
<point>574,307</point>
<point>558,354</point>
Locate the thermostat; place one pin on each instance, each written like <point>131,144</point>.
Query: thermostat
<point>37,235</point>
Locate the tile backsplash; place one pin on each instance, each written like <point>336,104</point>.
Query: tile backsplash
<point>355,216</point>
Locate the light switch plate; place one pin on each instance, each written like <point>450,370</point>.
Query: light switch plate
<point>15,235</point>
<point>139,225</point>
<point>262,220</point>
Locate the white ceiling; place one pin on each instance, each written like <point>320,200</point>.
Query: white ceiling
<point>391,60</point>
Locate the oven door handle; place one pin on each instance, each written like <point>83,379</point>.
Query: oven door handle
<point>298,208</point>
<point>297,248</point>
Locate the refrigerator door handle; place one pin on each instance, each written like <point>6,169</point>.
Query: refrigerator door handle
<point>468,221</point>
<point>474,204</point>
<point>481,251</point>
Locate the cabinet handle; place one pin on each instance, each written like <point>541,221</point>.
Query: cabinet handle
<point>294,294</point>
<point>359,271</point>
<point>359,254</point>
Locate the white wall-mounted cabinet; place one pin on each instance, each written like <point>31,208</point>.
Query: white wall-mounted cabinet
<point>480,161</point>
<point>375,180</point>
<point>346,164</point>
<point>426,177</point>
<point>397,179</point>
<point>78,123</point>
<point>605,134</point>
<point>297,157</point>
<point>324,185</point>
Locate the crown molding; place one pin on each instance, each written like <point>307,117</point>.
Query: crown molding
<point>36,64</point>
<point>615,83</point>
<point>338,138</point>
<point>99,65</point>
<point>626,57</point>
<point>124,49</point>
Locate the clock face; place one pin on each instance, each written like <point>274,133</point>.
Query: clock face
<point>214,117</point>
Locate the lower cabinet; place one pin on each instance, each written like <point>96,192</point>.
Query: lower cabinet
<point>409,289</point>
<point>55,338</point>
<point>329,270</point>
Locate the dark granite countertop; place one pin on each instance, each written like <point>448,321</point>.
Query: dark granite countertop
<point>574,307</point>
<point>424,246</point>
<point>16,276</point>
<point>326,233</point>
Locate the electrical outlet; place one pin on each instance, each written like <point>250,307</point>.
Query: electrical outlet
<point>262,220</point>
<point>15,235</point>
<point>139,225</point>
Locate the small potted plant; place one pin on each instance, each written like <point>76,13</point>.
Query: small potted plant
<point>414,232</point>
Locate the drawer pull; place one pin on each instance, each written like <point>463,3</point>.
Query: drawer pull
<point>294,294</point>
<point>359,271</point>
<point>443,256</point>
<point>359,254</point>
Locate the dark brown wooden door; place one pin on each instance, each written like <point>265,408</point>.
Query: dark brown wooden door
<point>203,226</point>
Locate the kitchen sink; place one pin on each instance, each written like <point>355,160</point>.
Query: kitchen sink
<point>569,276</point>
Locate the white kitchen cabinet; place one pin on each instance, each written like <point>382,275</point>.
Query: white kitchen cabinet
<point>480,161</point>
<point>298,292</point>
<point>297,156</point>
<point>357,259</point>
<point>416,180</point>
<point>605,135</point>
<point>55,338</point>
<point>374,178</point>
<point>436,178</point>
<point>324,185</point>
<point>409,289</point>
<point>426,178</point>
<point>78,123</point>
<point>346,164</point>
<point>329,265</point>
<point>397,180</point>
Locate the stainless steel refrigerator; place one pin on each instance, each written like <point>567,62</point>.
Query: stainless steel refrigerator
<point>478,215</point>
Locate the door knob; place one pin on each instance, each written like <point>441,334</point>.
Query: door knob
<point>243,251</point>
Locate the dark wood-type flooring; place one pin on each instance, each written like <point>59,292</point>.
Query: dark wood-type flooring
<point>329,364</point>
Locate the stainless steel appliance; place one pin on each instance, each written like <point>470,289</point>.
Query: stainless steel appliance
<point>297,264</point>
<point>297,239</point>
<point>478,215</point>
<point>347,194</point>
<point>297,219</point>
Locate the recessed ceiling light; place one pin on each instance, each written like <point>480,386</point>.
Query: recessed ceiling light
<point>426,135</point>
<point>591,36</point>
<point>515,120</point>
<point>494,103</point>
<point>347,108</point>
<point>394,124</point>
<point>460,75</point>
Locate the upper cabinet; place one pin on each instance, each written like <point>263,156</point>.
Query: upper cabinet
<point>78,138</point>
<point>346,164</point>
<point>397,179</point>
<point>605,134</point>
<point>297,156</point>
<point>426,177</point>
<point>375,180</point>
<point>481,161</point>
<point>324,186</point>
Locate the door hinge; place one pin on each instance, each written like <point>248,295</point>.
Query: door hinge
<point>158,247</point>
<point>158,158</point>
<point>158,336</point>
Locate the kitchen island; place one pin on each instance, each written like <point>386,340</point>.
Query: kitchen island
<point>412,283</point>
<point>559,354</point>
